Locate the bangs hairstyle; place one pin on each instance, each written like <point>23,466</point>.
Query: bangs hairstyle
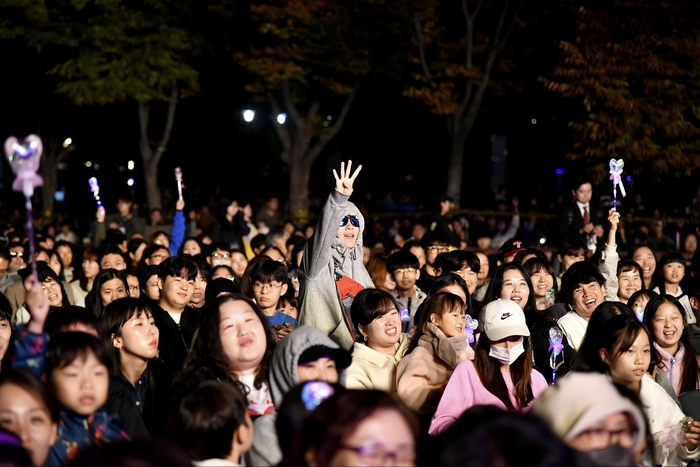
<point>116,314</point>
<point>205,421</point>
<point>402,260</point>
<point>493,292</point>
<point>534,265</point>
<point>30,383</point>
<point>457,260</point>
<point>371,304</point>
<point>615,335</point>
<point>580,273</point>
<point>690,371</point>
<point>177,267</point>
<point>439,304</point>
<point>627,265</point>
<point>268,270</point>
<point>207,358</point>
<point>67,347</point>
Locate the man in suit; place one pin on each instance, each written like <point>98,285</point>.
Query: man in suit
<point>583,218</point>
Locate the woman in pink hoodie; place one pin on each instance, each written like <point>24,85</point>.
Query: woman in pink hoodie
<point>502,373</point>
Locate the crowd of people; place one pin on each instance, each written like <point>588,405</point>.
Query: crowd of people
<point>250,340</point>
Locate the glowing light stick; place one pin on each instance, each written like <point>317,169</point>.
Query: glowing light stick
<point>178,177</point>
<point>95,188</point>
<point>405,315</point>
<point>469,329</point>
<point>616,167</point>
<point>556,346</point>
<point>24,158</point>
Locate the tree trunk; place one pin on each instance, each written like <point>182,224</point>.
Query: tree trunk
<point>456,167</point>
<point>153,195</point>
<point>299,174</point>
<point>47,169</point>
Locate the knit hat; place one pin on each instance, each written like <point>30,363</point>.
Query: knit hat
<point>503,318</point>
<point>580,400</point>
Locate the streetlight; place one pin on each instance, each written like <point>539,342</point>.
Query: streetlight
<point>130,165</point>
<point>281,118</point>
<point>67,142</point>
<point>248,115</point>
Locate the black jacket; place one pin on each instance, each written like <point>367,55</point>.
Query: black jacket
<point>571,222</point>
<point>175,341</point>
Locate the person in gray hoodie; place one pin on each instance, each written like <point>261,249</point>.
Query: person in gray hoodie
<point>331,271</point>
<point>305,354</point>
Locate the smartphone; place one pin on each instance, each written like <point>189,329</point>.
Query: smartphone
<point>289,325</point>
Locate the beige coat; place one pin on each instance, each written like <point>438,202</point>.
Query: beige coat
<point>374,370</point>
<point>423,374</point>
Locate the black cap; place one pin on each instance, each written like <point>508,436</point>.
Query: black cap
<point>43,271</point>
<point>218,286</point>
<point>510,248</point>
<point>342,357</point>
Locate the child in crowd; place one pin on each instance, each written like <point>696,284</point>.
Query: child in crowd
<point>622,348</point>
<point>439,344</point>
<point>404,269</point>
<point>213,424</point>
<point>77,373</point>
<point>269,280</point>
<point>668,278</point>
<point>664,316</point>
<point>502,373</point>
<point>433,242</point>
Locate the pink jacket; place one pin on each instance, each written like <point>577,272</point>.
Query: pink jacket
<point>672,366</point>
<point>464,390</point>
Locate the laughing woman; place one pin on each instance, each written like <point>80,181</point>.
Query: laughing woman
<point>375,313</point>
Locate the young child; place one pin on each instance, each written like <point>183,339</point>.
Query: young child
<point>213,424</point>
<point>669,275</point>
<point>405,271</point>
<point>437,346</point>
<point>288,303</point>
<point>269,280</point>
<point>77,373</point>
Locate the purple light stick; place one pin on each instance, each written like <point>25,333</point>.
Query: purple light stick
<point>24,158</point>
<point>616,167</point>
<point>95,188</point>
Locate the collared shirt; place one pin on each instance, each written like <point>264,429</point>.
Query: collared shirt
<point>581,206</point>
<point>137,393</point>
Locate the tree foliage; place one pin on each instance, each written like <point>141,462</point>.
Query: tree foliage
<point>634,67</point>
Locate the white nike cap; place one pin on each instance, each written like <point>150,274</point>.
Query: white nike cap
<point>504,318</point>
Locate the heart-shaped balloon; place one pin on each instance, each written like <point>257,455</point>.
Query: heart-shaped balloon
<point>616,165</point>
<point>24,158</point>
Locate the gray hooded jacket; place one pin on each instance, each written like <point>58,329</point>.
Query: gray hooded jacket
<point>320,304</point>
<point>282,378</point>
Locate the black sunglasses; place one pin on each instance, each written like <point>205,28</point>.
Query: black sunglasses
<point>353,220</point>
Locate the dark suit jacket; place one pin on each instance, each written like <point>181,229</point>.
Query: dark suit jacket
<point>571,222</point>
<point>175,341</point>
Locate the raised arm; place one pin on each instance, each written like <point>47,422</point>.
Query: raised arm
<point>610,258</point>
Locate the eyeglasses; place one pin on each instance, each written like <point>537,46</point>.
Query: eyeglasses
<point>353,220</point>
<point>258,286</point>
<point>375,456</point>
<point>439,248</point>
<point>16,253</point>
<point>48,283</point>
<point>221,255</point>
<point>405,272</point>
<point>603,437</point>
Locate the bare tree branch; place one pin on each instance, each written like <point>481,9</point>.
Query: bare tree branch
<point>421,50</point>
<point>282,131</point>
<point>289,103</point>
<point>512,24</point>
<point>170,119</point>
<point>326,138</point>
<point>314,106</point>
<point>146,151</point>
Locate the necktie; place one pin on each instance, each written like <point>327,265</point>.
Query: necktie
<point>586,217</point>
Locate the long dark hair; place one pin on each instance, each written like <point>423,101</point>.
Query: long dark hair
<point>489,371</point>
<point>93,301</point>
<point>658,277</point>
<point>90,254</point>
<point>493,292</point>
<point>690,370</point>
<point>616,335</point>
<point>439,303</point>
<point>207,356</point>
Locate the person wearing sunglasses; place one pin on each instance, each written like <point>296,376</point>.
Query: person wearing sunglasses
<point>332,272</point>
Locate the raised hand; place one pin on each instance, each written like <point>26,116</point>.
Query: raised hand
<point>344,183</point>
<point>37,304</point>
<point>180,204</point>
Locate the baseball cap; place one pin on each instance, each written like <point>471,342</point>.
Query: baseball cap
<point>504,318</point>
<point>509,248</point>
<point>341,357</point>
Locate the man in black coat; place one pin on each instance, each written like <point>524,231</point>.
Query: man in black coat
<point>176,321</point>
<point>584,219</point>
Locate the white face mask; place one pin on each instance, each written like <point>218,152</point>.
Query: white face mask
<point>507,356</point>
